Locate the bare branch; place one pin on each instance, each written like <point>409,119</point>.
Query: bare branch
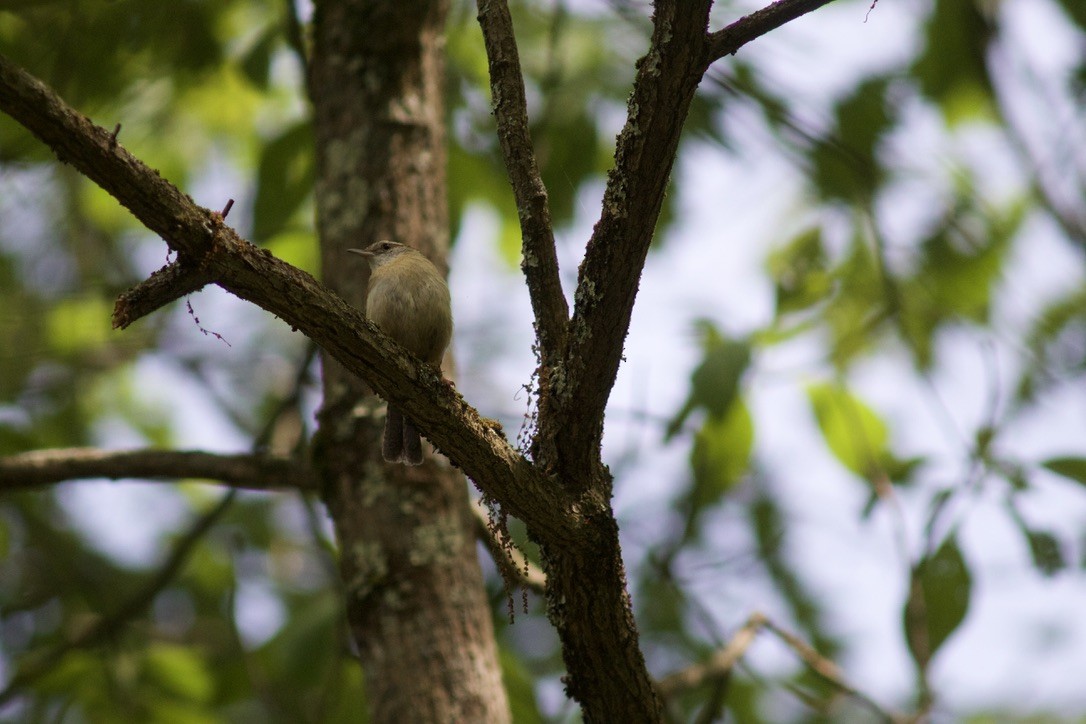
<point>107,626</point>
<point>730,39</point>
<point>164,286</point>
<point>539,263</point>
<point>247,471</point>
<point>828,670</point>
<point>297,298</point>
<point>719,664</point>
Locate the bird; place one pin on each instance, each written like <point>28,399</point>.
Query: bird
<point>409,300</point>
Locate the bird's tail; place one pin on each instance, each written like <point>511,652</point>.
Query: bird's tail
<point>401,442</point>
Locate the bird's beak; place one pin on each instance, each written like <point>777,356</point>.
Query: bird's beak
<point>361,252</point>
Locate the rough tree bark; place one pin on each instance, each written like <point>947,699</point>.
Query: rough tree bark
<point>415,595</point>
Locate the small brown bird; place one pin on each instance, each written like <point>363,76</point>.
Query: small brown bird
<point>409,300</point>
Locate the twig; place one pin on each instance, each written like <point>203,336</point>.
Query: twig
<point>828,670</point>
<point>730,39</point>
<point>109,625</point>
<point>164,286</point>
<point>540,261</point>
<point>248,471</point>
<point>721,663</point>
<point>718,665</point>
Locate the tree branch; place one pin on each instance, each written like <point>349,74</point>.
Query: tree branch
<point>164,286</point>
<point>667,77</point>
<point>539,263</point>
<point>722,662</point>
<point>199,236</point>
<point>730,39</point>
<point>828,670</point>
<point>107,626</point>
<point>247,471</point>
<point>719,664</point>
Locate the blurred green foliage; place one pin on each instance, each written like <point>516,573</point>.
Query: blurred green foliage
<point>199,87</point>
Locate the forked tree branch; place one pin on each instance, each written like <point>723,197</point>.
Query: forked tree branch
<point>248,471</point>
<point>539,262</point>
<point>730,39</point>
<point>200,237</point>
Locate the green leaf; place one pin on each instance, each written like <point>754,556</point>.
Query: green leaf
<point>854,433</point>
<point>801,272</point>
<point>180,671</point>
<point>569,153</point>
<point>256,62</point>
<point>951,70</point>
<point>295,651</point>
<point>858,306</point>
<point>1055,343</point>
<point>1044,547</point>
<point>715,383</point>
<point>519,686</point>
<point>297,248</point>
<point>1076,10</point>
<point>1045,550</point>
<point>79,325</point>
<point>721,455</point>
<point>939,594</point>
<point>73,674</point>
<point>844,163</point>
<point>479,177</point>
<point>1068,467</point>
<point>166,711</point>
<point>285,180</point>
<point>663,604</point>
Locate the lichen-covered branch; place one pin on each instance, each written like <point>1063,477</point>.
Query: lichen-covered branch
<point>667,77</point>
<point>540,263</point>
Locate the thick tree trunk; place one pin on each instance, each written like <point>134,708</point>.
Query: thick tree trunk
<point>415,595</point>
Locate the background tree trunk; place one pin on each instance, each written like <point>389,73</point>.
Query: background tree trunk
<point>415,595</point>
